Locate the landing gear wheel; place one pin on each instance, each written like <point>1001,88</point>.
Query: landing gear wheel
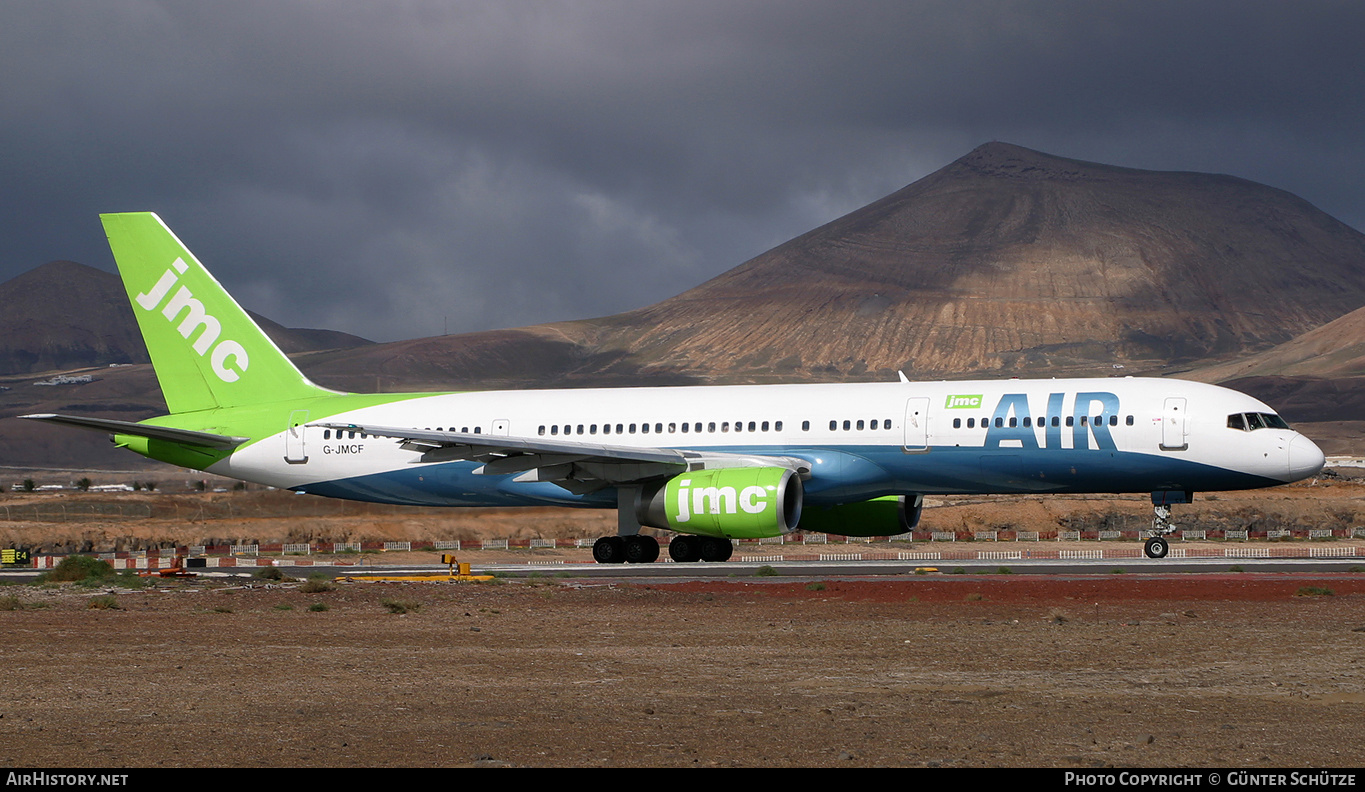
<point>641,549</point>
<point>609,550</point>
<point>1156,547</point>
<point>716,550</point>
<point>684,549</point>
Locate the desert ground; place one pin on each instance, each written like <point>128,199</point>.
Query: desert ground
<point>937,670</point>
<point>177,514</point>
<point>1226,670</point>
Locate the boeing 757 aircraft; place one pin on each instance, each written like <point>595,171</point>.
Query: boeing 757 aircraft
<point>710,463</point>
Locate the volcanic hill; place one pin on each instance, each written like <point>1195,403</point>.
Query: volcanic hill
<point>1007,262</point>
<point>63,315</point>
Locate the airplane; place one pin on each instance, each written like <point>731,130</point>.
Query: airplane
<point>710,463</point>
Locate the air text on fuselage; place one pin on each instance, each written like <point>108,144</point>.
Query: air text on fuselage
<point>1015,423</point>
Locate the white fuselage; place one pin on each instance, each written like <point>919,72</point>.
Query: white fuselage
<point>861,440</point>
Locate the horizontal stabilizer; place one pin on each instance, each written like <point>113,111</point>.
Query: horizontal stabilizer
<point>184,436</point>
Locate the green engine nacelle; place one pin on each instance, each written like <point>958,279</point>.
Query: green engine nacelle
<point>730,503</point>
<point>894,514</point>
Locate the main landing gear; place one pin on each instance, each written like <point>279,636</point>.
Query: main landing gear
<point>687,548</point>
<point>640,549</point>
<point>637,549</point>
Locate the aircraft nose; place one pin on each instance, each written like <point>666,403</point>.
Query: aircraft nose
<point>1305,458</point>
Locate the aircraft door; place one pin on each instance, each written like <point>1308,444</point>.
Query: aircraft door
<point>1174,422</point>
<point>295,453</point>
<point>917,424</point>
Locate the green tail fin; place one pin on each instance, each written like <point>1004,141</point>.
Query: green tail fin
<point>206,350</point>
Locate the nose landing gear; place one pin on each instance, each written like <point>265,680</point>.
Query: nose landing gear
<point>1157,546</point>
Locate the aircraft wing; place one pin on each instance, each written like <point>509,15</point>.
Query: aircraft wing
<point>580,468</point>
<point>183,436</point>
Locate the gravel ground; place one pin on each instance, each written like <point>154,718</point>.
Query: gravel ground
<point>1233,670</point>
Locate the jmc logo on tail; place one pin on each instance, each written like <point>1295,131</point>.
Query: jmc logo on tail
<point>196,317</point>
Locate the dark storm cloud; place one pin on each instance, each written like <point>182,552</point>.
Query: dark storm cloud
<point>394,168</point>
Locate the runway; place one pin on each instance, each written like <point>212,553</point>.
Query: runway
<point>880,568</point>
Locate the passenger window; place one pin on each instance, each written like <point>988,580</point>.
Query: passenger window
<point>541,430</point>
<point>1071,420</point>
<point>805,426</point>
<point>847,425</point>
<point>777,427</point>
<point>765,426</point>
<point>684,428</point>
<point>1028,422</point>
<point>1113,420</point>
<point>672,428</point>
<point>999,422</point>
<point>554,430</point>
<point>833,425</point>
<point>957,423</point>
<point>711,427</point>
<point>860,424</point>
<point>326,434</point>
<point>971,423</point>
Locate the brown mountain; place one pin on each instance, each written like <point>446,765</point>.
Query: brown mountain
<point>1317,376</point>
<point>1334,350</point>
<point>1005,262</point>
<point>63,315</point>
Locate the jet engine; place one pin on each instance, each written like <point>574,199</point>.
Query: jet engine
<point>730,503</point>
<point>894,514</point>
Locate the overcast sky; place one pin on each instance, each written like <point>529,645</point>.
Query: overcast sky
<point>393,169</point>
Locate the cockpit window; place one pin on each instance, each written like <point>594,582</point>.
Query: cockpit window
<point>1250,422</point>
